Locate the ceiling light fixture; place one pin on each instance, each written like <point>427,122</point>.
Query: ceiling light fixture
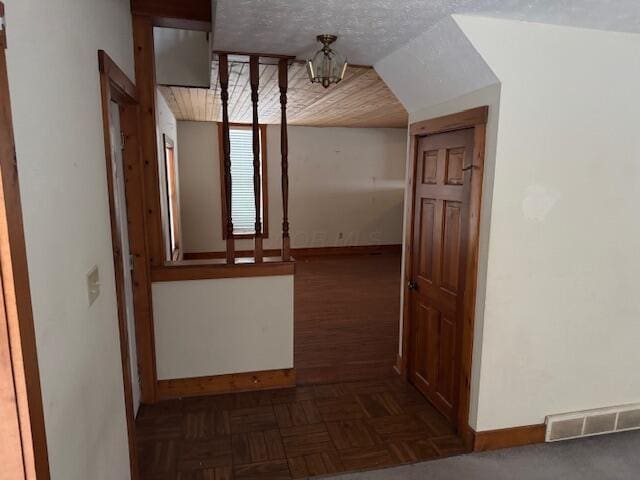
<point>327,66</point>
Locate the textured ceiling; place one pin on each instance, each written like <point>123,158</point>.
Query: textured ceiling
<point>369,30</point>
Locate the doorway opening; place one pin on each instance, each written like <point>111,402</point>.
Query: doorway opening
<point>122,152</point>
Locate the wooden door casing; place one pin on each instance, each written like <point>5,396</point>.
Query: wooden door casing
<point>440,238</point>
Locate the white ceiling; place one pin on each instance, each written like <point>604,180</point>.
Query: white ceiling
<point>369,30</point>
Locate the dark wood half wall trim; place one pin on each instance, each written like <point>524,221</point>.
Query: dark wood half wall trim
<point>305,252</point>
<point>233,382</point>
<point>508,437</point>
<point>210,271</point>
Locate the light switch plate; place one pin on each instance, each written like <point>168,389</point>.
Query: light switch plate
<point>93,284</point>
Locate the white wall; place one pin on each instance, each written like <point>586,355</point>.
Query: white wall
<point>182,57</point>
<point>556,316</point>
<point>561,313</point>
<point>346,186</point>
<point>435,67</point>
<point>166,124</point>
<point>55,95</point>
<point>215,327</point>
<point>444,74</point>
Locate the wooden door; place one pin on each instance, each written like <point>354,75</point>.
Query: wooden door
<point>441,206</point>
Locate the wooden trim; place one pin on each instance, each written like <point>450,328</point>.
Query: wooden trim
<point>283,85</point>
<point>254,54</point>
<point>113,86</point>
<point>508,437</point>
<point>172,217</point>
<point>23,443</point>
<point>233,382</point>
<point>408,259</point>
<point>203,271</point>
<point>254,81</point>
<point>456,121</point>
<point>226,179</point>
<point>134,171</point>
<point>265,185</point>
<point>346,250</point>
<point>181,23</point>
<point>471,275</point>
<point>144,57</point>
<point>185,14</point>
<point>475,118</point>
<point>117,78</point>
<point>306,252</point>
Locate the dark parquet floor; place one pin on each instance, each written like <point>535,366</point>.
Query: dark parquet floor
<point>350,413</point>
<point>291,433</point>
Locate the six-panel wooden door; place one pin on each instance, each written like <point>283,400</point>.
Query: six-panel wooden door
<point>441,209</point>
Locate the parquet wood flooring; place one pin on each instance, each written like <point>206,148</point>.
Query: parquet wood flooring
<point>294,433</point>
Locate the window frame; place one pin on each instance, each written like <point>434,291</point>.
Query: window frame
<point>264,179</point>
<point>173,202</point>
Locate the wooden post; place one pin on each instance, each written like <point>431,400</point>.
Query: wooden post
<point>226,147</point>
<point>154,250</point>
<point>283,70</point>
<point>254,72</point>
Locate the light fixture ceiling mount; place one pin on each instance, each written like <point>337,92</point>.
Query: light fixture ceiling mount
<point>327,66</point>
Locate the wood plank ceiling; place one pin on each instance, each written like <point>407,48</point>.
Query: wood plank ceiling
<point>362,99</point>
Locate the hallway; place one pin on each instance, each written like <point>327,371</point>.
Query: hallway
<point>291,433</point>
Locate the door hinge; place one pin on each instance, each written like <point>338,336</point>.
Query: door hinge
<point>122,140</point>
<point>131,262</point>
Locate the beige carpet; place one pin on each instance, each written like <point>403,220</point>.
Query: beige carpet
<point>608,457</point>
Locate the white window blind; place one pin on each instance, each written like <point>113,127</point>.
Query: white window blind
<point>243,211</point>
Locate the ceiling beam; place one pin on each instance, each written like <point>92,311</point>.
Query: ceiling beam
<point>185,14</point>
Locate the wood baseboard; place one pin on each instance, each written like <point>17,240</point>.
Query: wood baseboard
<point>305,252</point>
<point>230,383</point>
<point>347,250</point>
<point>508,437</point>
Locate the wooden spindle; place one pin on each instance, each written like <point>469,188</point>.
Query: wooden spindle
<point>254,78</point>
<point>283,71</point>
<point>223,68</point>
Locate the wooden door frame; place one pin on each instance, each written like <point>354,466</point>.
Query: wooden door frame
<point>116,87</point>
<point>477,119</point>
<point>23,443</point>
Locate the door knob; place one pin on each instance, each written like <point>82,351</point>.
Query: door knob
<point>412,285</point>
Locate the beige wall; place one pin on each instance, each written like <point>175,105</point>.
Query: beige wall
<point>230,325</point>
<point>182,57</point>
<point>556,314</point>
<point>346,186</point>
<point>55,95</point>
<point>561,311</point>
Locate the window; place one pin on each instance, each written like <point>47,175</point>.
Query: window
<point>243,211</point>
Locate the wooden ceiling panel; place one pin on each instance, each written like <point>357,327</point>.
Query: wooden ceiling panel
<point>362,99</point>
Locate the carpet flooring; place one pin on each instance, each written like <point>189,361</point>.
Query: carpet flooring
<point>607,457</point>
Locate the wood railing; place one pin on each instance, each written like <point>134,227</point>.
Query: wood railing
<point>254,79</point>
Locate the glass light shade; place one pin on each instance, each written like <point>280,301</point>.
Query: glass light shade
<point>327,66</point>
